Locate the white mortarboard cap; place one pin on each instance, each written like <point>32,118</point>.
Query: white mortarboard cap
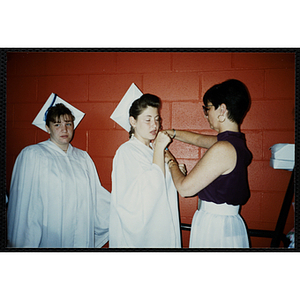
<point>40,119</point>
<point>121,113</point>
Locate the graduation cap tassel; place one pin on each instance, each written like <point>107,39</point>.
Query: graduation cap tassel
<point>46,113</point>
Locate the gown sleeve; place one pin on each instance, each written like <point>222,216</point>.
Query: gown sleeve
<point>25,205</point>
<point>102,206</point>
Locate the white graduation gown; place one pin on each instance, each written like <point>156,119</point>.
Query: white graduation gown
<point>144,203</point>
<point>56,200</point>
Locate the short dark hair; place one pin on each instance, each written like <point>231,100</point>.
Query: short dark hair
<point>140,104</point>
<point>54,113</point>
<point>234,94</point>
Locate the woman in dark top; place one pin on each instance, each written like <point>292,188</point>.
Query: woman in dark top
<point>220,177</point>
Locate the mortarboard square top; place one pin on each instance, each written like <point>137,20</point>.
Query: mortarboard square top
<point>40,120</point>
<point>121,113</point>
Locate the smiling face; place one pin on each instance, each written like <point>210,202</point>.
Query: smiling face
<point>146,125</point>
<point>61,131</point>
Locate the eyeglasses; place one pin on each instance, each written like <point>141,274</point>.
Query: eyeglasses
<point>206,109</point>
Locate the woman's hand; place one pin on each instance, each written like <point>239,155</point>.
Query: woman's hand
<point>169,156</point>
<point>162,140</point>
<point>170,132</point>
<point>182,169</point>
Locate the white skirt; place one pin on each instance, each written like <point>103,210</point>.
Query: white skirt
<point>218,226</point>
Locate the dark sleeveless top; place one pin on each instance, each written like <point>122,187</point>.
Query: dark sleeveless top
<point>232,188</point>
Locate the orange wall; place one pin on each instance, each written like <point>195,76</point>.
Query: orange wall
<point>95,83</point>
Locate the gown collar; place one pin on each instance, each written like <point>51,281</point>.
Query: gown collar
<point>140,144</point>
<point>56,148</point>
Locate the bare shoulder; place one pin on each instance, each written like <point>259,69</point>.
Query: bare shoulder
<point>219,159</point>
<point>222,147</point>
<point>222,154</point>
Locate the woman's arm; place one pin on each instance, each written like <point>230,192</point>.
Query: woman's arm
<point>196,139</point>
<point>219,160</point>
<point>161,142</point>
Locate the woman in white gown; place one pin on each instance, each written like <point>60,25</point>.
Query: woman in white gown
<point>56,199</point>
<point>144,206</point>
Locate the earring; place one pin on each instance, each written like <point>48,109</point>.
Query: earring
<point>222,120</point>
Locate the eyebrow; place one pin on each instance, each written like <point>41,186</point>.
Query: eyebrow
<point>152,116</point>
<point>67,121</point>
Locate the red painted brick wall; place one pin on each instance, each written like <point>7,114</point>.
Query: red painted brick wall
<point>95,83</point>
